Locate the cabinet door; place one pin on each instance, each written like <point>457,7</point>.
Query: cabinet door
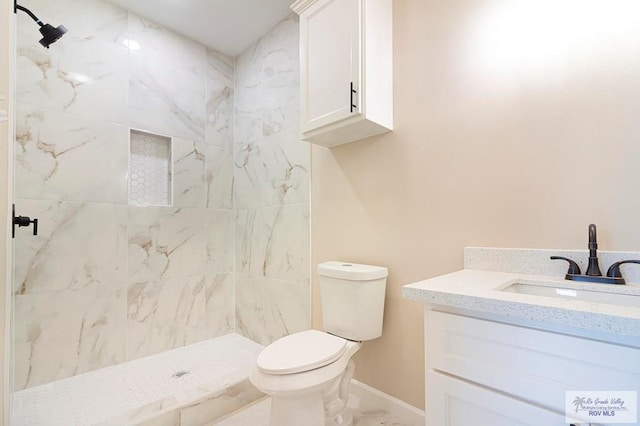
<point>330,52</point>
<point>535,365</point>
<point>453,402</point>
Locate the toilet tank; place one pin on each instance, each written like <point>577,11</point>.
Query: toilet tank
<point>352,299</point>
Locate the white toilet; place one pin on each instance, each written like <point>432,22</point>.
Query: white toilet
<point>308,373</point>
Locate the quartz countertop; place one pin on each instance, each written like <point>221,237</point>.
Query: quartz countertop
<point>478,290</point>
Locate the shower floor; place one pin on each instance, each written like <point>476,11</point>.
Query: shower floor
<point>192,385</point>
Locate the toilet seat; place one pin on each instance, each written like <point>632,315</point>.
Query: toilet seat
<point>287,385</point>
<point>300,352</point>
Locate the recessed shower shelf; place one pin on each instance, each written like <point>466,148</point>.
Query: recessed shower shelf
<point>149,169</point>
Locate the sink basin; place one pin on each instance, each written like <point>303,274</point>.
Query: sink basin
<point>575,294</point>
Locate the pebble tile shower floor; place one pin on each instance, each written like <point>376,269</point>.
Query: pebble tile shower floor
<point>142,391</point>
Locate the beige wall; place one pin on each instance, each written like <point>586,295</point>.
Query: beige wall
<point>516,125</point>
<point>6,37</point>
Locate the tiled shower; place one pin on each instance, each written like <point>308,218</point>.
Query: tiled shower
<point>113,277</point>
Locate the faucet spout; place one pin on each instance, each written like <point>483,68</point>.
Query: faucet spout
<point>594,268</point>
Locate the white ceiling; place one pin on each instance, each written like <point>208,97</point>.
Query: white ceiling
<point>229,26</point>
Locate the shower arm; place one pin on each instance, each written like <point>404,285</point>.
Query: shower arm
<point>17,7</point>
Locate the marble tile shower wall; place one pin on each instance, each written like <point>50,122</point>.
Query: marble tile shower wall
<point>104,281</point>
<point>271,180</point>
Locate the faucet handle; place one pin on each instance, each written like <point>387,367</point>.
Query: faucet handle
<point>574,268</point>
<point>614,270</point>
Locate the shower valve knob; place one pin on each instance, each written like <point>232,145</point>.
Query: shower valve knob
<point>23,221</point>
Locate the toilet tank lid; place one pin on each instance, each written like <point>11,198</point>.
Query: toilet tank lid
<point>351,271</point>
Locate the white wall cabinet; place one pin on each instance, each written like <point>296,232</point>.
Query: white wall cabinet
<point>484,372</point>
<point>346,69</point>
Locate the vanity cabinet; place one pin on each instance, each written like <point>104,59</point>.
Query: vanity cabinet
<point>346,69</point>
<point>460,403</point>
<point>482,371</point>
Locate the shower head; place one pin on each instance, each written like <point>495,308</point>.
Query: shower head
<point>49,33</point>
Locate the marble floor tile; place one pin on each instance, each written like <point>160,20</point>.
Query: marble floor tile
<point>253,415</point>
<point>232,399</point>
<point>364,414</point>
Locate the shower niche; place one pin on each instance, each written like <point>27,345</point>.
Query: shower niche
<point>150,171</point>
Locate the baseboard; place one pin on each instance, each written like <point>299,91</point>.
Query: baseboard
<point>387,402</point>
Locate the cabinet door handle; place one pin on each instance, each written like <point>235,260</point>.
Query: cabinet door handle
<point>352,91</point>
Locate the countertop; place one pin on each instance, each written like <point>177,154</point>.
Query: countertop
<point>477,290</point>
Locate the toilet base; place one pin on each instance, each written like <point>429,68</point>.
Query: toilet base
<point>307,410</point>
<point>344,419</point>
<point>303,410</point>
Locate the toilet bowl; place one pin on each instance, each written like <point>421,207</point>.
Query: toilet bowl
<point>303,373</point>
<point>307,374</point>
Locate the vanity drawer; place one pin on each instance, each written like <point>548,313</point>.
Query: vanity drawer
<point>455,402</point>
<point>534,365</point>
